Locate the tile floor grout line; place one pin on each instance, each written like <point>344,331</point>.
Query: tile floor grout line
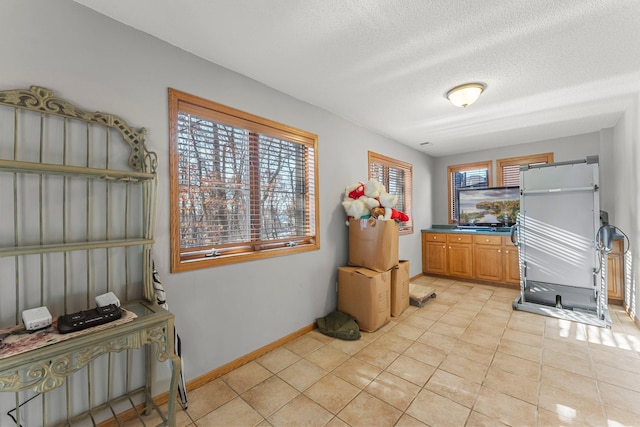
<point>453,299</point>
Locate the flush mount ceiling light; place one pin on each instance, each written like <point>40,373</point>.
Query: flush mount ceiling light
<point>466,94</point>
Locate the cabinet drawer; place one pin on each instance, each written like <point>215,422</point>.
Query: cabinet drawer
<point>435,237</point>
<point>506,241</point>
<point>459,238</point>
<point>487,240</point>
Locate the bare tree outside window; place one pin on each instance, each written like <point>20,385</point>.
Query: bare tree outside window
<point>241,189</point>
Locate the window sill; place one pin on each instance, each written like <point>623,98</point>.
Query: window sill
<point>180,265</point>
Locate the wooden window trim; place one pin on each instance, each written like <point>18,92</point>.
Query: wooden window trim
<point>408,183</point>
<point>520,160</point>
<point>184,102</point>
<point>462,168</point>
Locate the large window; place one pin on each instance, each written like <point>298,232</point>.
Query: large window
<point>478,175</point>
<point>508,170</point>
<point>242,187</point>
<point>396,176</point>
<point>469,175</point>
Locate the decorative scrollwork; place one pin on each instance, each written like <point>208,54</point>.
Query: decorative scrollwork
<point>114,346</point>
<point>7,381</point>
<point>43,100</point>
<point>41,377</point>
<point>159,336</point>
<point>46,376</point>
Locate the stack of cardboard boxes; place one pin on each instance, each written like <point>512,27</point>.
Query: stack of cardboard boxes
<point>375,285</point>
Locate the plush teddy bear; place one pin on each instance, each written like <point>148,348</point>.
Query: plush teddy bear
<point>377,213</point>
<point>354,208</point>
<point>356,204</point>
<point>354,191</point>
<point>373,189</point>
<point>370,202</point>
<point>388,200</point>
<point>371,199</point>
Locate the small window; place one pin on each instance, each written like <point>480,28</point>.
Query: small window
<point>242,187</point>
<point>508,173</point>
<point>469,175</point>
<point>397,178</point>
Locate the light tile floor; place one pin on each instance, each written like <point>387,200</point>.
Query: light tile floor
<point>465,358</point>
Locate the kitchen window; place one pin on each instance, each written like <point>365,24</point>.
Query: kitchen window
<point>468,175</point>
<point>242,187</point>
<point>479,175</point>
<point>508,170</point>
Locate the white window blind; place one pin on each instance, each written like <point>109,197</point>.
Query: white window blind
<point>397,179</point>
<point>509,169</point>
<point>241,189</point>
<point>511,175</point>
<point>217,177</point>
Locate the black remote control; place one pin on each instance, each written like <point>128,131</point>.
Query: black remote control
<point>88,318</point>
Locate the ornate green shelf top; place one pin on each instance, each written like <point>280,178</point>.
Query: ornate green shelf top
<point>43,100</point>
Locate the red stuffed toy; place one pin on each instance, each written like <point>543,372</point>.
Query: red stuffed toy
<point>399,216</point>
<point>357,192</point>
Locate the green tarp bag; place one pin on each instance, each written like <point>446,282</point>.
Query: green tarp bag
<point>339,325</point>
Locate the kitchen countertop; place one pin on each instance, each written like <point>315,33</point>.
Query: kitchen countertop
<point>499,231</point>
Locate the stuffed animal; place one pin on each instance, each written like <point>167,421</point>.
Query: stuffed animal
<point>377,213</point>
<point>355,208</point>
<point>355,191</point>
<point>388,200</point>
<point>371,199</point>
<point>373,188</point>
<point>397,215</point>
<point>370,202</point>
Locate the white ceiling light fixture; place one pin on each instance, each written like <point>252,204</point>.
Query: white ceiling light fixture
<point>466,94</point>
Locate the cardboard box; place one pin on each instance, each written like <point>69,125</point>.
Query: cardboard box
<point>399,288</point>
<point>366,295</point>
<point>373,244</point>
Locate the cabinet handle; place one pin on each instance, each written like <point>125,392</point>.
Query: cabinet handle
<point>506,252</point>
<point>444,247</point>
<point>459,238</point>
<point>449,247</point>
<point>499,251</point>
<point>486,240</point>
<point>434,237</point>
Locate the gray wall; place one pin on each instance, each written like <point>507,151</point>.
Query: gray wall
<point>225,312</point>
<point>568,148</point>
<point>626,182</point>
<point>222,313</point>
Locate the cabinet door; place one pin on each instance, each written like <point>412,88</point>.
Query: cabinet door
<point>511,265</point>
<point>488,262</point>
<point>424,253</point>
<point>460,259</point>
<point>615,273</point>
<point>435,260</point>
<point>487,257</point>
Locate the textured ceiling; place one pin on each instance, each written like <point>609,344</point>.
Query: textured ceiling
<point>552,67</point>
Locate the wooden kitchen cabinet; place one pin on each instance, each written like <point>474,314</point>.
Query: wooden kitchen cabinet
<point>615,273</point>
<point>460,255</point>
<point>434,253</point>
<point>493,258</point>
<point>485,257</point>
<point>447,254</point>
<point>511,264</point>
<point>488,257</point>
